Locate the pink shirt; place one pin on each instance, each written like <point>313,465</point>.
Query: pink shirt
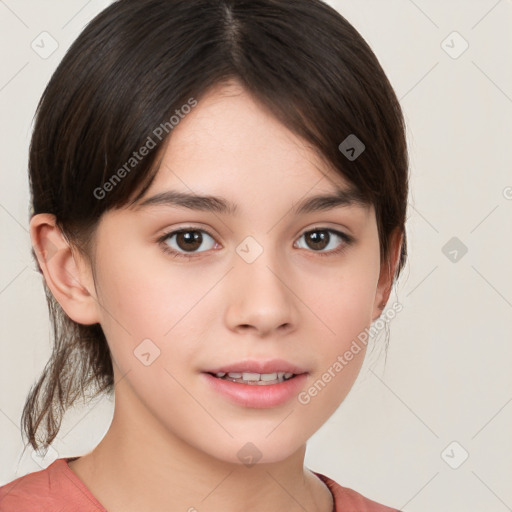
<point>58,489</point>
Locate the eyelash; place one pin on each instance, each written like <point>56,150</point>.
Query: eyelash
<point>347,240</point>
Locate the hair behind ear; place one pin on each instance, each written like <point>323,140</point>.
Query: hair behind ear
<point>80,361</point>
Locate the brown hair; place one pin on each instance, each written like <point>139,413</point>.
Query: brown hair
<point>128,72</point>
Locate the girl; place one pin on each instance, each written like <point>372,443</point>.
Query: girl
<point>219,193</point>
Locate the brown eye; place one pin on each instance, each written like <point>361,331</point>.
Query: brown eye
<point>186,242</point>
<point>319,239</point>
<point>189,240</point>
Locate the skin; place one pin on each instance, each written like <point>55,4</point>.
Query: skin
<point>173,441</point>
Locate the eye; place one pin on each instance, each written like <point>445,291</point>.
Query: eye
<point>321,238</point>
<point>184,242</point>
<point>185,239</point>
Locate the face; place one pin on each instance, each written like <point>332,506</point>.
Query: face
<point>266,282</point>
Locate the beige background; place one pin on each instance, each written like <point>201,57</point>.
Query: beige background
<point>447,376</point>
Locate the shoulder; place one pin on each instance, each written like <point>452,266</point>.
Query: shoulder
<point>348,500</point>
<point>26,491</point>
<point>55,488</point>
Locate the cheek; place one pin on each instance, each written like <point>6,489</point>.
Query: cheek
<point>147,295</point>
<point>150,309</point>
<point>344,298</point>
<point>345,307</point>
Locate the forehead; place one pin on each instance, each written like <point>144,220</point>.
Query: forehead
<point>231,124</point>
<point>231,140</point>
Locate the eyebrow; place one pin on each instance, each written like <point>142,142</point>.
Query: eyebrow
<point>318,203</point>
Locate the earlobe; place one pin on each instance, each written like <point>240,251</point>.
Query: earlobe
<point>65,272</point>
<point>387,273</point>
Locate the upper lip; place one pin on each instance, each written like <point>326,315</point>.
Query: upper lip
<point>254,366</point>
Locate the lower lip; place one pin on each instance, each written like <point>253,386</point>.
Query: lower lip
<point>258,396</point>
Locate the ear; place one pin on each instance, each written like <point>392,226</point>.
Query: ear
<point>65,271</point>
<point>387,273</point>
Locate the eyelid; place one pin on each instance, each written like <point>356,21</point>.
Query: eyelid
<point>343,232</point>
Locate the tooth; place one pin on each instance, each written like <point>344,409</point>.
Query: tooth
<point>250,376</point>
<point>256,378</point>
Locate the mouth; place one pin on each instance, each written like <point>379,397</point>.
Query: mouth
<point>256,390</point>
<point>254,379</point>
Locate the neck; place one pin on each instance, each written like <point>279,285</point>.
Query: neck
<point>138,465</point>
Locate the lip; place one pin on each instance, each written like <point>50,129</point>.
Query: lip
<point>254,366</point>
<point>256,396</point>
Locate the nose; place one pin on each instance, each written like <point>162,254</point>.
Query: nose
<point>261,298</point>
